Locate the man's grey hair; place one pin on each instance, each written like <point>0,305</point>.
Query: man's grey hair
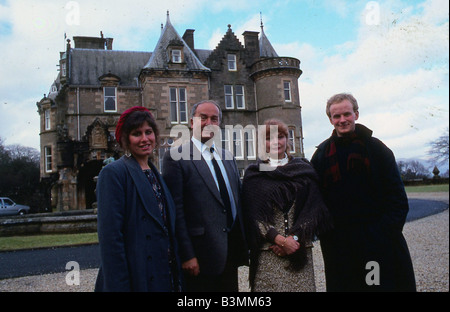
<point>194,108</point>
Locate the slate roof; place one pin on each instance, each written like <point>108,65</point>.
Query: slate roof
<point>265,47</point>
<point>87,65</point>
<point>159,60</point>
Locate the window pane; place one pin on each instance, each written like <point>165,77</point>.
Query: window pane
<point>173,94</point>
<point>110,91</point>
<point>249,146</point>
<point>231,61</point>
<point>176,56</point>
<point>225,139</point>
<point>173,112</point>
<point>229,97</point>
<point>48,158</point>
<point>240,102</point>
<point>287,91</point>
<point>110,104</point>
<point>237,143</point>
<point>183,112</point>
<point>292,140</point>
<point>182,95</point>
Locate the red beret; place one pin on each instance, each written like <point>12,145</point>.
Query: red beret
<point>124,116</point>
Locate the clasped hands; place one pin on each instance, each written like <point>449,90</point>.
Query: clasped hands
<point>284,245</point>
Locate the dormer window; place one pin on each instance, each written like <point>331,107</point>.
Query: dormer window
<point>176,56</point>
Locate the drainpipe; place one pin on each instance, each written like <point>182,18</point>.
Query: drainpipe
<point>78,114</point>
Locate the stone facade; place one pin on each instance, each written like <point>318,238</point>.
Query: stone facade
<point>96,84</point>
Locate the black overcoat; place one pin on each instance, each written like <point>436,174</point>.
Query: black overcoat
<point>368,220</point>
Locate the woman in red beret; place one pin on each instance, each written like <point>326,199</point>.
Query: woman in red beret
<point>136,214</point>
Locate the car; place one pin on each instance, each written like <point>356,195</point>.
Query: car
<point>9,207</point>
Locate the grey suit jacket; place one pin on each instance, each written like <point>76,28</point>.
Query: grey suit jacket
<point>201,222</point>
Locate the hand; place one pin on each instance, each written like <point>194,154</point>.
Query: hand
<point>191,267</point>
<point>288,244</point>
<point>278,250</point>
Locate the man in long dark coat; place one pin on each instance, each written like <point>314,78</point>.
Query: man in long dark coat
<point>361,184</point>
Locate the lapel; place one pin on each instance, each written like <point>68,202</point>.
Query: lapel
<point>204,172</point>
<point>147,196</point>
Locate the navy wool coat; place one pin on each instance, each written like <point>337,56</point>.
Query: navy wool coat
<point>133,239</point>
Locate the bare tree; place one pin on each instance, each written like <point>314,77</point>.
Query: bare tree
<point>439,149</point>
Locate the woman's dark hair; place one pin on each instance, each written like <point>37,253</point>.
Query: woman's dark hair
<point>135,120</point>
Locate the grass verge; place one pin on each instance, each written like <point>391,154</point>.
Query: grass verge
<point>48,240</point>
<point>427,188</point>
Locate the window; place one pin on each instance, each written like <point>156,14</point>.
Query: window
<point>110,99</point>
<point>229,98</point>
<point>291,133</point>
<point>240,99</point>
<point>234,94</point>
<point>178,105</point>
<point>232,62</point>
<point>287,91</point>
<point>176,56</point>
<point>48,158</point>
<point>237,144</point>
<point>47,119</point>
<point>225,138</point>
<point>250,146</point>
<point>63,69</point>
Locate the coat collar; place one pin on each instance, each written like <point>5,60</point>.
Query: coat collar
<point>147,196</point>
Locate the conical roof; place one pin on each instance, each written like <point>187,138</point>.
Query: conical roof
<point>265,47</point>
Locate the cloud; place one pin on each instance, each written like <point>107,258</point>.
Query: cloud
<point>397,71</point>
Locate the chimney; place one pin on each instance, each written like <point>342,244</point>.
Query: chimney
<point>188,37</point>
<point>251,43</point>
<point>109,42</point>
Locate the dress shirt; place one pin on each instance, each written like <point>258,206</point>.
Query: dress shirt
<point>206,154</point>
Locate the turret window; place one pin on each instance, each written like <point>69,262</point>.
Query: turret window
<point>291,133</point>
<point>287,91</point>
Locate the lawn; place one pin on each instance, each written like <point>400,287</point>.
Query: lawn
<point>38,241</point>
<point>50,240</point>
<point>427,188</point>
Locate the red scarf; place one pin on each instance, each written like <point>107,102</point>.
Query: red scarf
<point>357,160</point>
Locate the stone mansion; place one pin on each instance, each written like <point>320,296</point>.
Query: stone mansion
<point>95,84</point>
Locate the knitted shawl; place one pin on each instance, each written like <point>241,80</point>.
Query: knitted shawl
<point>264,191</point>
